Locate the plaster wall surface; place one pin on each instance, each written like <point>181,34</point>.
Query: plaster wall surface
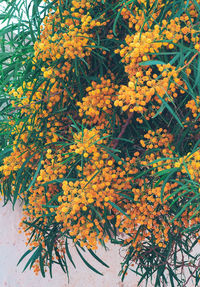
<point>12,247</point>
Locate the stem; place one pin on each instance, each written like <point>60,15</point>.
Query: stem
<point>197,267</point>
<point>123,130</point>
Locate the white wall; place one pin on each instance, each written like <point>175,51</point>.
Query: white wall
<point>12,247</point>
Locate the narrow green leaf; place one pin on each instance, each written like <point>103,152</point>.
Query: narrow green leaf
<point>151,63</point>
<point>118,208</point>
<point>36,174</point>
<point>88,264</point>
<point>171,111</point>
<point>185,206</point>
<point>35,256</point>
<point>41,261</point>
<point>68,253</point>
<point>97,258</point>
<point>24,255</point>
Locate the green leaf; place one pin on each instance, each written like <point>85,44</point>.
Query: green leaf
<point>19,178</point>
<point>170,110</point>
<point>126,196</point>
<point>97,258</point>
<point>185,206</point>
<point>25,254</point>
<point>115,21</point>
<point>36,174</point>
<point>165,182</point>
<point>41,261</point>
<point>68,253</point>
<point>119,209</point>
<point>167,171</point>
<point>61,261</point>
<point>33,258</point>
<point>86,263</point>
<point>151,63</point>
<point>5,152</point>
<point>124,139</point>
<point>95,210</point>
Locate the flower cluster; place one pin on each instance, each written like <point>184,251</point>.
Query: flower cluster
<point>102,140</point>
<point>70,40</point>
<point>147,86</point>
<point>98,102</point>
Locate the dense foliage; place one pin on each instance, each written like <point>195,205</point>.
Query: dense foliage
<point>99,127</point>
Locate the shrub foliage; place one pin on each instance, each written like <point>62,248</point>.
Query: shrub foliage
<point>99,127</point>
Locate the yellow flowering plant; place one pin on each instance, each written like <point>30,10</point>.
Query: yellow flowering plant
<point>99,127</point>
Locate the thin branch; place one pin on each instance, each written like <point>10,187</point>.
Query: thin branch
<point>122,131</point>
<point>197,267</point>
